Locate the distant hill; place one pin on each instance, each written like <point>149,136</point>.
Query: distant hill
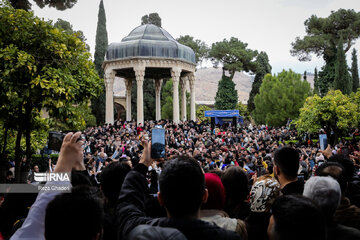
<point>207,82</point>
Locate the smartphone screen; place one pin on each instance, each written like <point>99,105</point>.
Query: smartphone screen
<point>158,143</point>
<point>55,140</point>
<point>323,141</point>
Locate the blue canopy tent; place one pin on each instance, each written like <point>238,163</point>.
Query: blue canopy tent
<point>224,116</point>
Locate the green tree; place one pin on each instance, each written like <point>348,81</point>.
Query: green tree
<point>243,110</point>
<point>342,79</point>
<point>101,41</point>
<point>233,55</point>
<point>226,96</point>
<point>68,28</point>
<point>42,67</point>
<point>152,18</point>
<point>200,113</point>
<point>280,98</point>
<point>305,76</point>
<point>354,71</point>
<point>200,48</point>
<point>167,100</point>
<point>58,4</point>
<point>263,68</point>
<point>334,112</point>
<point>322,37</point>
<point>316,79</point>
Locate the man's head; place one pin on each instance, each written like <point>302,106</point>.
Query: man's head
<point>75,215</point>
<point>325,191</point>
<point>182,187</point>
<point>296,218</point>
<point>112,178</point>
<point>334,170</point>
<point>286,164</point>
<point>36,168</point>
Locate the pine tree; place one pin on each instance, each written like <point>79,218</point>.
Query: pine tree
<point>305,76</point>
<point>354,71</point>
<point>316,83</point>
<point>226,96</point>
<point>262,69</point>
<point>342,80</point>
<point>98,105</point>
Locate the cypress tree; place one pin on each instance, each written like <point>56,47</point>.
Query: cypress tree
<point>98,105</point>
<point>342,80</point>
<point>354,71</point>
<point>305,76</point>
<point>263,68</point>
<point>316,82</point>
<point>226,96</point>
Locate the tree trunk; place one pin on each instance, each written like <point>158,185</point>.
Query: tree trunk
<point>28,143</point>
<point>232,73</point>
<point>3,159</point>
<point>18,155</point>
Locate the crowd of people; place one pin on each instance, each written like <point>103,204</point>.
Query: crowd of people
<point>227,182</point>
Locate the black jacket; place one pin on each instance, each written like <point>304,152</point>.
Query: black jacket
<point>293,188</point>
<point>131,212</point>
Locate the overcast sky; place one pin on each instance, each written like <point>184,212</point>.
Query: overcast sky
<point>266,25</point>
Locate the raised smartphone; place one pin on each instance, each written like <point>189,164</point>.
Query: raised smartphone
<point>157,143</point>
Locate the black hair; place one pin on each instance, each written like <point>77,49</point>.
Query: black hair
<point>236,185</point>
<point>112,178</point>
<point>293,213</point>
<point>182,186</point>
<point>75,215</point>
<point>346,163</point>
<point>287,159</point>
<point>335,170</point>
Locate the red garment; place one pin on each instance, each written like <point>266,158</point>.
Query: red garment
<point>139,130</point>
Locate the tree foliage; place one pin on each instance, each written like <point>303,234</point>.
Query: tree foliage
<point>200,48</point>
<point>101,41</point>
<point>334,112</point>
<point>42,67</point>
<point>58,4</point>
<point>152,18</point>
<point>354,71</point>
<point>316,83</point>
<point>342,80</point>
<point>167,100</point>
<point>280,98</point>
<point>234,56</point>
<point>226,96</point>
<point>68,28</point>
<point>322,38</point>
<point>323,35</point>
<point>326,77</point>
<point>263,68</point>
<point>243,110</point>
<point>200,112</point>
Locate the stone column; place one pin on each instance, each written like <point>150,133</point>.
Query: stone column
<point>140,74</point>
<point>128,84</point>
<point>158,84</point>
<point>109,86</point>
<point>192,96</point>
<point>183,98</point>
<point>175,74</point>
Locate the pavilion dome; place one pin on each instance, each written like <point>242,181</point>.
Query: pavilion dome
<point>149,41</point>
